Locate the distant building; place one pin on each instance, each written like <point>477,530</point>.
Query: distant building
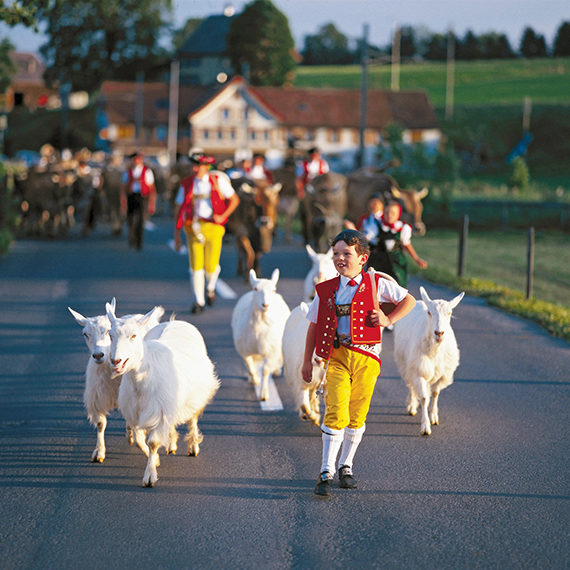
<point>28,88</point>
<point>203,56</point>
<point>235,117</point>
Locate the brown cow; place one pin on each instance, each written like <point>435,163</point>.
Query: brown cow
<point>363,183</point>
<point>253,222</point>
<point>324,206</point>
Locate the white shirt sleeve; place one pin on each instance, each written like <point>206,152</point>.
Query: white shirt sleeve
<point>390,292</point>
<point>149,177</point>
<point>406,234</point>
<point>224,184</point>
<point>313,309</point>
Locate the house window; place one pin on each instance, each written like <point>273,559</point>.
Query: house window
<point>220,134</point>
<point>334,135</point>
<point>225,114</point>
<point>246,113</point>
<point>206,134</point>
<point>252,135</point>
<point>266,135</point>
<point>233,134</point>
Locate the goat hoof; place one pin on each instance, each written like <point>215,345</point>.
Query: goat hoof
<point>97,459</point>
<point>148,484</point>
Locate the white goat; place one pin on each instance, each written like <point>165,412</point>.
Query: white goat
<point>323,268</point>
<point>168,379</point>
<point>427,355</point>
<point>306,397</point>
<point>258,320</point>
<point>101,383</point>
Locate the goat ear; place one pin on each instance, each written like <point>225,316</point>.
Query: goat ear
<point>78,317</point>
<point>424,295</point>
<point>310,251</point>
<point>114,304</point>
<point>455,301</point>
<point>110,313</point>
<point>252,278</point>
<point>275,276</point>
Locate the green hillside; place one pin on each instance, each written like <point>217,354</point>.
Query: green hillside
<point>494,82</point>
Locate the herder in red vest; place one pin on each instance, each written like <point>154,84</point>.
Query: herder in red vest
<point>138,198</point>
<point>311,167</point>
<point>344,329</point>
<point>204,203</point>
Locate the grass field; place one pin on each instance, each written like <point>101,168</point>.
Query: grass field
<point>501,257</point>
<point>493,82</point>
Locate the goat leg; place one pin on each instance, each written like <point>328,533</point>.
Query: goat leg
<point>98,455</point>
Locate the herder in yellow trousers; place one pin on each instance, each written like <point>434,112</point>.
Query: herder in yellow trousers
<point>204,203</point>
<point>345,330</point>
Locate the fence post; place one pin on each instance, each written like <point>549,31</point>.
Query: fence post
<point>462,246</point>
<point>530,263</point>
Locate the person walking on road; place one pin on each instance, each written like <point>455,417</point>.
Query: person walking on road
<point>392,239</point>
<point>205,201</point>
<point>138,198</point>
<point>345,320</point>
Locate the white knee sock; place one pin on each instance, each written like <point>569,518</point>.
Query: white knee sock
<point>332,440</point>
<point>211,280</point>
<point>352,438</point>
<point>197,282</point>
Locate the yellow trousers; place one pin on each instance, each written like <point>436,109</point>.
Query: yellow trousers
<point>351,377</point>
<point>204,254</point>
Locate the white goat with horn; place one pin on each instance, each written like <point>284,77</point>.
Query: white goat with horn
<point>101,383</point>
<point>258,320</point>
<point>427,355</point>
<point>168,379</point>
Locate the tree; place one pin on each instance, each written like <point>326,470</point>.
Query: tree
<point>22,12</point>
<point>532,45</point>
<point>495,46</point>
<point>7,67</point>
<point>93,41</point>
<point>407,42</point>
<point>180,36</point>
<point>561,45</point>
<point>469,48</point>
<point>437,48</point>
<point>328,46</point>
<point>260,38</point>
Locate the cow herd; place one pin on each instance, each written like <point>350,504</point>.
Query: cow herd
<point>61,192</point>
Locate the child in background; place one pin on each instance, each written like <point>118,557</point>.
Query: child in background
<point>344,329</point>
<point>394,237</point>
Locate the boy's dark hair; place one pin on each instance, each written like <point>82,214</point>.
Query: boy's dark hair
<point>377,196</point>
<point>352,237</point>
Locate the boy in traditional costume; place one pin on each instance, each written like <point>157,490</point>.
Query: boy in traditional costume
<point>345,320</point>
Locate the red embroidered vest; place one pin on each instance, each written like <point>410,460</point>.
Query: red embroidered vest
<point>362,331</point>
<point>187,208</point>
<point>145,188</point>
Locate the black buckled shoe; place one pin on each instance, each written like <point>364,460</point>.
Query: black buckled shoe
<point>196,309</point>
<point>347,481</point>
<point>324,484</point>
<point>210,298</point>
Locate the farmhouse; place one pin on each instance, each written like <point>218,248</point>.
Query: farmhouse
<point>235,116</point>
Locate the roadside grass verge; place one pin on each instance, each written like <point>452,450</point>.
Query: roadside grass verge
<point>496,270</point>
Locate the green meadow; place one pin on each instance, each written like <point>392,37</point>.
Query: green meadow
<point>492,82</point>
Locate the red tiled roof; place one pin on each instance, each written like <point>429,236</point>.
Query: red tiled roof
<point>341,107</point>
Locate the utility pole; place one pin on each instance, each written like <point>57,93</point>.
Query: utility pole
<point>139,107</point>
<point>395,67</point>
<point>173,112</point>
<point>450,83</point>
<point>363,93</point>
<point>527,108</point>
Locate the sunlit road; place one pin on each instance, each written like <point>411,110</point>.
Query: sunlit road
<point>488,489</point>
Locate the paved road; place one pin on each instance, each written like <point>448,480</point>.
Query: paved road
<point>489,488</point>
